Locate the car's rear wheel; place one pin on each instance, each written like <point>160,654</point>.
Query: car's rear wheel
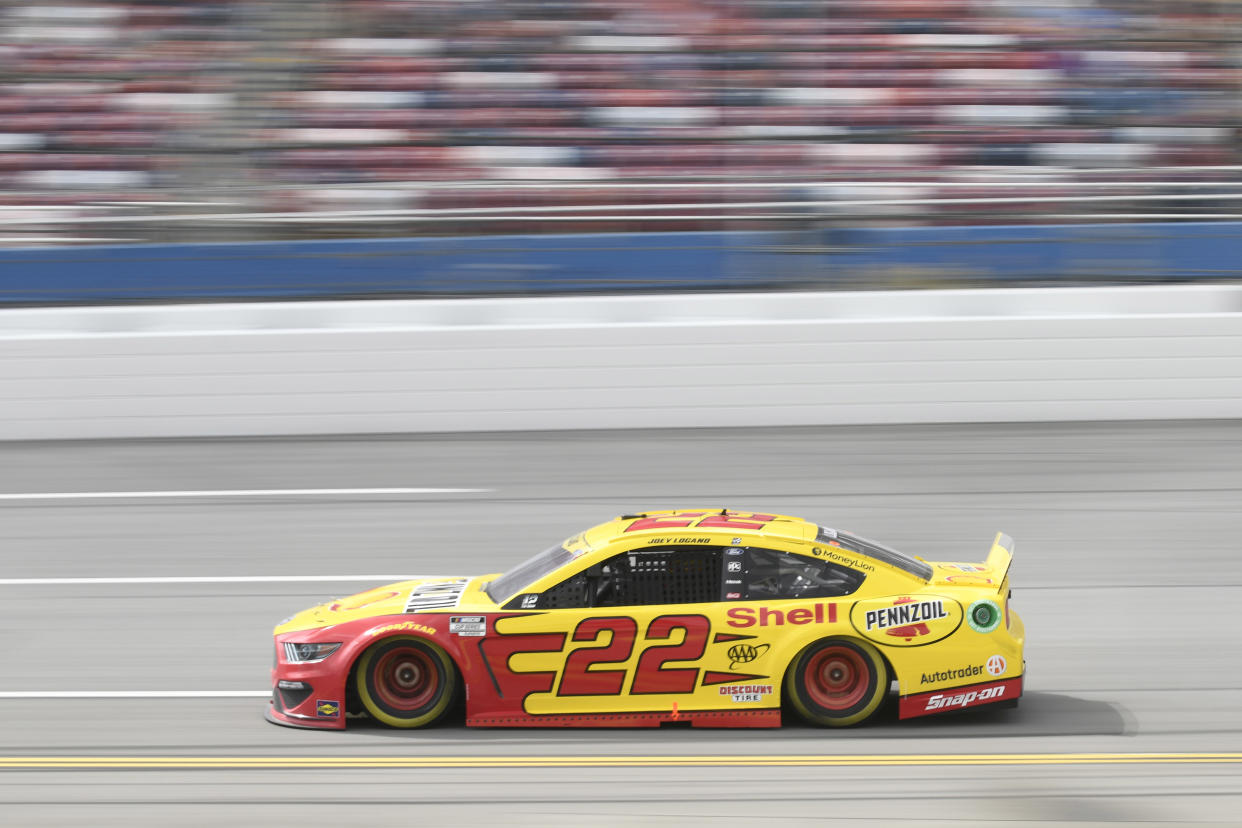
<point>406,682</point>
<point>837,682</point>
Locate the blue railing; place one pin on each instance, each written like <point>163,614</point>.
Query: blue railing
<point>622,262</point>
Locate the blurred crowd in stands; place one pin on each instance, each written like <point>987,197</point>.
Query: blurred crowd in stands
<point>156,120</point>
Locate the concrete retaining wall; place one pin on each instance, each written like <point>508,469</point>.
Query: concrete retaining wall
<point>650,361</point>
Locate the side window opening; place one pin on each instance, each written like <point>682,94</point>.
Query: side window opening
<point>669,575</point>
<point>571,593</point>
<point>772,575</point>
<point>665,575</point>
<point>855,543</point>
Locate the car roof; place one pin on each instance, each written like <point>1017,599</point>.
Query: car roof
<point>732,528</point>
<point>702,522</point>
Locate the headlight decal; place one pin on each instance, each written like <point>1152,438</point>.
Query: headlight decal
<point>308,653</point>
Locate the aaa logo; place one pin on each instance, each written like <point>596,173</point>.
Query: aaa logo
<point>745,653</point>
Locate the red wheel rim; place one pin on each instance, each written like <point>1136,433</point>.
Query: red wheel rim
<point>405,678</point>
<point>837,678</point>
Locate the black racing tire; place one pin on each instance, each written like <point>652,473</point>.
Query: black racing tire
<point>406,682</point>
<point>837,682</point>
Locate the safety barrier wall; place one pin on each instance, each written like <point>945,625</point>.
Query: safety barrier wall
<point>607,362</point>
<point>546,264</point>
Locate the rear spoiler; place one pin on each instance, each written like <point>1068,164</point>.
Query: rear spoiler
<point>1000,556</point>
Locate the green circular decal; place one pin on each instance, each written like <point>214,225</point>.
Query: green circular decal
<point>983,616</point>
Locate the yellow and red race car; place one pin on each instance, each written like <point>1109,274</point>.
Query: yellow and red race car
<point>709,617</point>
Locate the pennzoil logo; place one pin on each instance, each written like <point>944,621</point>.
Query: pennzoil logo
<point>907,618</point>
<point>907,621</point>
<point>327,709</point>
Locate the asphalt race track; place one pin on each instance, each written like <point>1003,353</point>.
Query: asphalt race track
<point>139,700</point>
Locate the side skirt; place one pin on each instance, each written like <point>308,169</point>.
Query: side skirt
<point>765,717</point>
<point>960,698</point>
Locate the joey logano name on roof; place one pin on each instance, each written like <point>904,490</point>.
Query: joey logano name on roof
<point>914,612</point>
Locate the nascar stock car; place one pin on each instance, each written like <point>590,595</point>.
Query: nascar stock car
<point>707,617</point>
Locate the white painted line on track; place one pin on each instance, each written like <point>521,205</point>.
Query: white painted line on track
<point>134,694</point>
<point>229,493</point>
<point>214,579</point>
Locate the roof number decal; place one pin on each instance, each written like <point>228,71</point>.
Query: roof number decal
<point>723,519</point>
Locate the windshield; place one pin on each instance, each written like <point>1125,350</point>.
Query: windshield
<point>527,572</point>
<point>878,551</point>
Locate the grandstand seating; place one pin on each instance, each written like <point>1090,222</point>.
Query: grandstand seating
<point>383,104</point>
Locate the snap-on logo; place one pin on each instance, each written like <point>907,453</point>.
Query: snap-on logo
<point>960,698</point>
<point>946,701</point>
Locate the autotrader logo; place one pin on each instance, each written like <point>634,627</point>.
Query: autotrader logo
<point>997,665</point>
<point>968,671</point>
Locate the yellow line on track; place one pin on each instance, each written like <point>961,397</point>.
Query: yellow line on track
<point>792,760</point>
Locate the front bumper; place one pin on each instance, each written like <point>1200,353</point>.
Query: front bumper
<point>308,695</point>
<point>296,720</point>
<point>276,715</point>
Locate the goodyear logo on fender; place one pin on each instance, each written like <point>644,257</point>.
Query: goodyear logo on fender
<point>907,621</point>
<point>404,626</point>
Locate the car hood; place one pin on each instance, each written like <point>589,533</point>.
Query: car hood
<point>402,598</point>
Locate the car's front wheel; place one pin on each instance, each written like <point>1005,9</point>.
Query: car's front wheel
<point>406,682</point>
<point>837,682</point>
